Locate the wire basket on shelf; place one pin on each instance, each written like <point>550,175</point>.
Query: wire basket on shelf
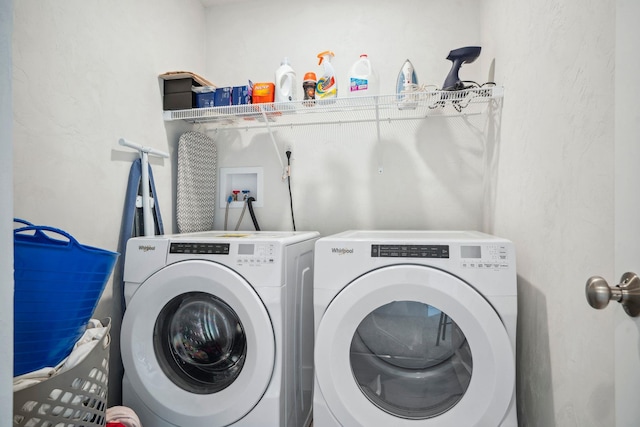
<point>74,398</point>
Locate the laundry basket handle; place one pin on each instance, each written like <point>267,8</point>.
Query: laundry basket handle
<point>39,233</point>
<point>22,221</point>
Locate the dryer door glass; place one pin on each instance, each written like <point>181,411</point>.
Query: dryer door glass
<point>200,343</point>
<point>411,360</point>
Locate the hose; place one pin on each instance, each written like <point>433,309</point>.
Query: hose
<point>250,201</point>
<point>226,212</point>
<point>244,208</point>
<point>293,220</point>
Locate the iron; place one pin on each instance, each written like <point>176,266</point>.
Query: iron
<point>463,55</point>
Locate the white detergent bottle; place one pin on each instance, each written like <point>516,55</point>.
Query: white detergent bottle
<point>362,79</point>
<point>285,90</point>
<point>327,86</point>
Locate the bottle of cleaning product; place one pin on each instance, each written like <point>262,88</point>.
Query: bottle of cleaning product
<point>407,86</point>
<point>309,88</point>
<point>285,88</point>
<point>327,86</point>
<point>362,79</point>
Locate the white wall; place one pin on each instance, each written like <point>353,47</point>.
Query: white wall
<point>554,185</point>
<point>627,200</point>
<point>6,213</point>
<point>433,170</point>
<point>555,199</point>
<point>87,77</point>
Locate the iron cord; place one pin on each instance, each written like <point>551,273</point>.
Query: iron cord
<point>465,99</point>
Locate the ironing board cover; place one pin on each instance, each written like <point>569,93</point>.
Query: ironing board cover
<point>196,186</point>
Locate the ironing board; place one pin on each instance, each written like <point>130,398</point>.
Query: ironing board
<point>196,186</point>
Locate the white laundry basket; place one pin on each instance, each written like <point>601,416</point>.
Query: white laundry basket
<point>74,398</point>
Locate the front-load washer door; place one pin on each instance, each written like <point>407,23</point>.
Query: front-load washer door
<point>410,345</point>
<point>197,344</point>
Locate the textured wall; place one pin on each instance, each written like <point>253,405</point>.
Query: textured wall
<point>555,198</point>
<point>434,171</point>
<point>88,77</point>
<point>627,153</point>
<point>84,79</point>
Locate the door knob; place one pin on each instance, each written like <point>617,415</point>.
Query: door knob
<point>627,293</point>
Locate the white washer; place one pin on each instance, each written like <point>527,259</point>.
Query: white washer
<point>414,329</point>
<point>218,331</point>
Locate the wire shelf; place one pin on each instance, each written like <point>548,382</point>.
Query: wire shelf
<point>409,106</point>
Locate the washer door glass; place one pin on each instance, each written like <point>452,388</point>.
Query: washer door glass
<point>411,359</point>
<point>200,342</point>
<point>407,344</point>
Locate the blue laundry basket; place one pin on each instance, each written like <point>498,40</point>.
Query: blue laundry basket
<point>58,283</point>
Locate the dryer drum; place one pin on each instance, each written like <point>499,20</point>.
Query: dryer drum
<point>411,360</point>
<point>200,343</point>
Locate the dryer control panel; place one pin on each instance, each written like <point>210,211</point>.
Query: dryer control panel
<point>410,251</point>
<point>484,257</point>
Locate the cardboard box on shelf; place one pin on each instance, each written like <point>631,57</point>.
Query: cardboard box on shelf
<point>240,95</point>
<point>223,97</point>
<point>263,92</point>
<point>177,89</point>
<point>178,101</point>
<point>204,96</point>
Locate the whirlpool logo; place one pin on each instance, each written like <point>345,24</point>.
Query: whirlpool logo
<point>146,248</point>
<point>342,251</point>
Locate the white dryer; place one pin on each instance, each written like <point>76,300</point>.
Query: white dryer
<point>218,329</point>
<point>415,329</point>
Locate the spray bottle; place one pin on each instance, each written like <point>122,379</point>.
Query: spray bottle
<point>327,86</point>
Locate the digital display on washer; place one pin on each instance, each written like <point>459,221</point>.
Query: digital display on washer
<point>470,252</point>
<point>199,248</point>
<point>245,249</point>
<point>410,251</point>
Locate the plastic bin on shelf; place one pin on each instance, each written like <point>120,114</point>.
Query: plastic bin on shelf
<point>58,283</point>
<point>74,398</point>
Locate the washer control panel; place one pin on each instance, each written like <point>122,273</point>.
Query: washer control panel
<point>484,257</point>
<point>255,254</point>
<point>247,254</point>
<point>410,251</point>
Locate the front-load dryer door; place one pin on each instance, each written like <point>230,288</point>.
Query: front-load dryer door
<point>197,344</point>
<point>410,345</point>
